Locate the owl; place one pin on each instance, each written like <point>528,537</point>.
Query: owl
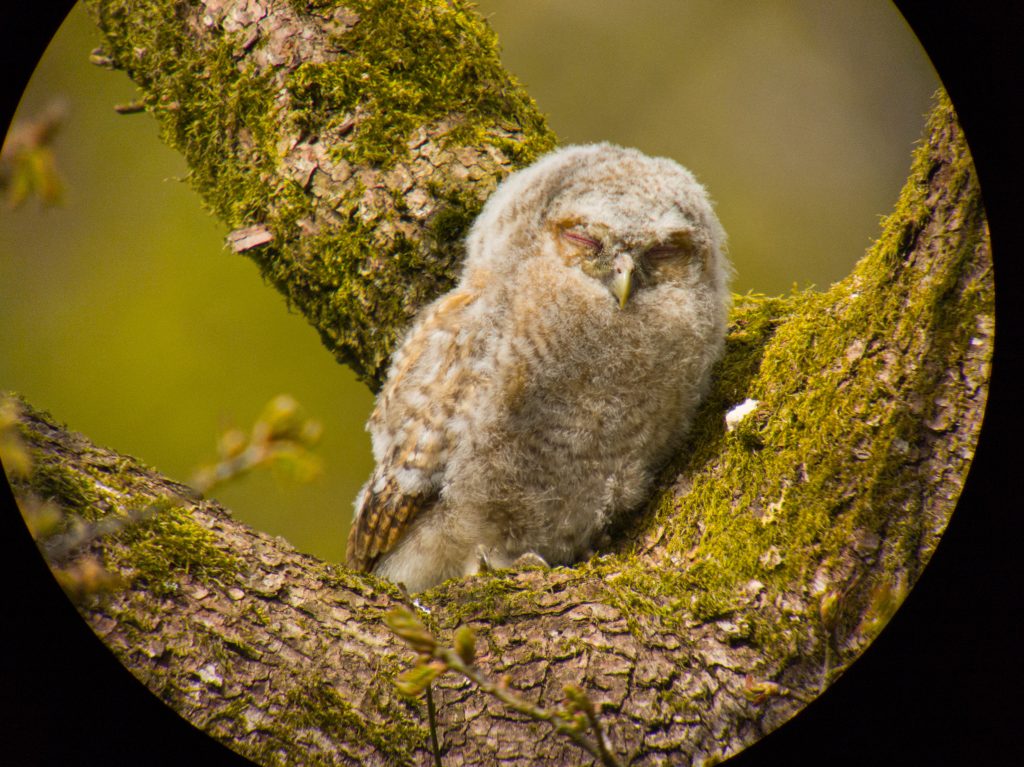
<point>531,405</point>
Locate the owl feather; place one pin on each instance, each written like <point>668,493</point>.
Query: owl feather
<point>417,453</point>
<point>530,406</point>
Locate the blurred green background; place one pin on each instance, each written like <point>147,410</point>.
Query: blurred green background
<point>123,314</point>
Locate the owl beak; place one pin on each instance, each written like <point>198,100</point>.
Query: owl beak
<point>622,278</point>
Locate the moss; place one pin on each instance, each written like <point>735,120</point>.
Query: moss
<point>349,307</point>
<point>242,648</point>
<point>451,223</point>
<point>141,622</point>
<point>155,538</point>
<point>259,613</point>
<point>233,710</point>
<point>361,318</point>
<point>53,480</point>
<point>318,707</point>
<point>498,596</point>
<point>820,459</point>
<point>410,64</point>
<point>401,67</point>
<point>169,544</point>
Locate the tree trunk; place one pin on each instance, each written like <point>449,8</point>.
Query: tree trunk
<point>772,554</point>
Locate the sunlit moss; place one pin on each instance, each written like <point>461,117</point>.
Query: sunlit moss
<point>53,480</point>
<point>170,544</point>
<point>410,64</point>
<point>404,66</point>
<point>820,461</point>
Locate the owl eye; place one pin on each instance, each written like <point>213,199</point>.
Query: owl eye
<point>581,239</point>
<point>662,253</point>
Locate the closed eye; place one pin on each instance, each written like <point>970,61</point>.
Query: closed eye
<point>581,239</point>
<point>662,253</point>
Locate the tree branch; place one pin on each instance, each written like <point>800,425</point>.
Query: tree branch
<point>360,138</point>
<point>772,556</point>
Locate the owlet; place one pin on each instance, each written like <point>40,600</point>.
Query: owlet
<point>530,406</point>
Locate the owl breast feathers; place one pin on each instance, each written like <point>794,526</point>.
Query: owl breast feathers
<point>531,405</point>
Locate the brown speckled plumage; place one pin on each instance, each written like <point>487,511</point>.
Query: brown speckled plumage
<point>531,404</point>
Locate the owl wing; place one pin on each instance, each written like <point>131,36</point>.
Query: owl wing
<point>428,378</point>
<point>384,512</point>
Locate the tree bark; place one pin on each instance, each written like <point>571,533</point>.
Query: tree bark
<point>769,558</point>
<point>348,145</point>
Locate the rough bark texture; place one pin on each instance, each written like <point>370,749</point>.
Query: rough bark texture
<point>771,556</point>
<point>348,145</point>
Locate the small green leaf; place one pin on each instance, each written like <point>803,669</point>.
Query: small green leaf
<point>828,608</point>
<point>411,629</point>
<point>414,681</point>
<point>465,644</point>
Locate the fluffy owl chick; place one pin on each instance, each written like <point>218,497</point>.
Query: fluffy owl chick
<point>530,405</point>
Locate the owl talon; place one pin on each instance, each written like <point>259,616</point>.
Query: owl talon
<point>483,564</point>
<point>530,559</point>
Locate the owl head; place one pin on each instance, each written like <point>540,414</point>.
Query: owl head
<point>626,220</point>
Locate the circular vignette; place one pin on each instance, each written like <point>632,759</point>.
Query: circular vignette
<point>953,605</point>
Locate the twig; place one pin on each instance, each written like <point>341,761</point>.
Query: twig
<point>281,436</point>
<point>572,720</point>
<point>131,108</point>
<point>565,722</point>
<point>432,721</point>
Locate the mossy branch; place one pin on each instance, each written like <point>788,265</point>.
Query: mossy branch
<point>773,553</point>
<point>358,138</point>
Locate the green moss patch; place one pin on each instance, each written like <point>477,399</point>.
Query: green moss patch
<point>170,544</point>
<point>823,456</point>
<point>317,711</point>
<point>409,64</point>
